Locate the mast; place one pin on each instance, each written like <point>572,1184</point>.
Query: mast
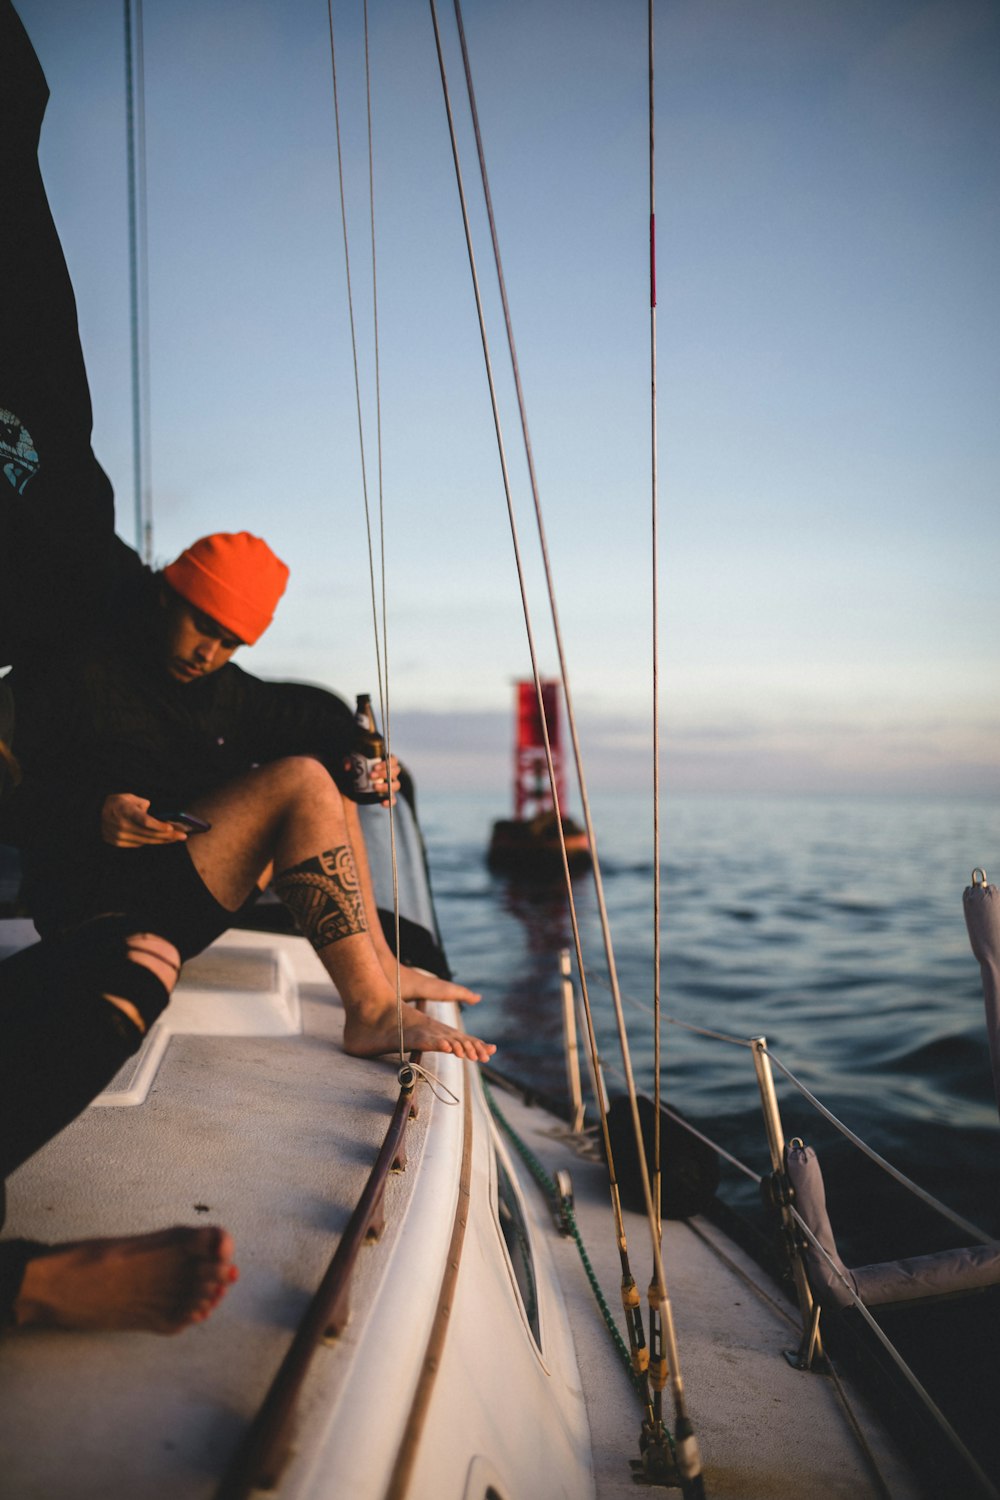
<point>135,107</point>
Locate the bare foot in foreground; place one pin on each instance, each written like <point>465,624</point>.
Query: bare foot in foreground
<point>369,1035</point>
<point>419,984</point>
<point>159,1283</point>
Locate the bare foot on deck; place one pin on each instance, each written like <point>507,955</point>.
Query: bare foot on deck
<point>419,984</point>
<point>158,1283</point>
<point>369,1035</point>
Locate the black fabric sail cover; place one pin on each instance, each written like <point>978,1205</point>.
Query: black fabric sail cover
<point>56,504</point>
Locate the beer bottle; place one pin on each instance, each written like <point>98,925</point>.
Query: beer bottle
<point>369,749</point>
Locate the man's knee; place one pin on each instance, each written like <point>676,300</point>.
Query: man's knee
<point>303,775</point>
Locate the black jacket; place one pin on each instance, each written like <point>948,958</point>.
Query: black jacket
<point>109,718</point>
<point>56,506</point>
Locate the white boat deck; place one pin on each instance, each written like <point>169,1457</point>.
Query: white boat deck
<point>273,1136</point>
<point>92,1417</point>
<point>765,1430</point>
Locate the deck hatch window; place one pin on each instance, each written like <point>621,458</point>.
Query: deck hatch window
<point>515,1233</point>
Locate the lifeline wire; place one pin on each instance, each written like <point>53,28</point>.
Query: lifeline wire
<point>965,1225</point>
<point>689,1461</point>
<point>925,1398</point>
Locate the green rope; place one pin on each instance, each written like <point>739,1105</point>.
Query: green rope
<point>548,1187</point>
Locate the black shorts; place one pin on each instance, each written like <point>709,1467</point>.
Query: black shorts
<point>158,888</point>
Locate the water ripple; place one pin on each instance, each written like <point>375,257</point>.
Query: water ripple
<point>833,927</point>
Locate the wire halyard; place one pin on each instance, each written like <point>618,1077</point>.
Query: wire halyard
<point>381,637</point>
<point>383,679</point>
<point>655,592</point>
<point>659,1370</point>
<point>630,1302</point>
<point>688,1459</point>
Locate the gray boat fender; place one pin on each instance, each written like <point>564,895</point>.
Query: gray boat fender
<point>981,902</point>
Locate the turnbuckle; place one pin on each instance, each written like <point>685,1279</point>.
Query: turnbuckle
<point>633,1321</point>
<point>658,1371</point>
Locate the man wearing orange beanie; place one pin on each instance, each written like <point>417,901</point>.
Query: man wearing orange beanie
<point>236,580</point>
<point>151,719</point>
<point>71,1009</point>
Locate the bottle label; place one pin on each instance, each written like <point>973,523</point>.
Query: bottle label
<point>362,772</point>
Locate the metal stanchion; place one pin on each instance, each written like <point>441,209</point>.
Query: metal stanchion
<point>811,1347</point>
<point>570,1042</point>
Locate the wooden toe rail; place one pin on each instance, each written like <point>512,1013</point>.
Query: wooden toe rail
<point>261,1456</point>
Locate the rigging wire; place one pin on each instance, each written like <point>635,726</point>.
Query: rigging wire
<point>655,544</point>
<point>354,344</point>
<point>689,1461</point>
<point>381,642</point>
<point>383,686</point>
<point>135,111</point>
<point>629,1295</point>
<point>658,1370</point>
<point>529,627</point>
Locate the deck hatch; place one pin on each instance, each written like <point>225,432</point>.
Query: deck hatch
<point>227,991</point>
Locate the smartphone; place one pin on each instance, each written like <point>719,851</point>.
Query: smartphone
<point>187,820</point>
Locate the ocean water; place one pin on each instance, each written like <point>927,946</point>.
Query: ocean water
<point>833,927</point>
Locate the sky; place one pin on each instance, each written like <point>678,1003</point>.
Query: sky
<point>828,361</point>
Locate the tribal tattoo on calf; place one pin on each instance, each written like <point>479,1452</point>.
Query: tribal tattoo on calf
<point>324,896</point>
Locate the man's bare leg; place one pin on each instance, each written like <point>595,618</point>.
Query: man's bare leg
<point>415,984</point>
<point>158,1283</point>
<point>157,955</point>
<point>291,812</point>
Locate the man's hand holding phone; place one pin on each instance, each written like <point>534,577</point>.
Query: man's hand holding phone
<point>127,822</point>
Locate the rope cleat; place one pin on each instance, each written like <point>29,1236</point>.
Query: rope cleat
<point>562,1206</point>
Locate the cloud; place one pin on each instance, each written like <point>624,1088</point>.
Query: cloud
<point>933,755</point>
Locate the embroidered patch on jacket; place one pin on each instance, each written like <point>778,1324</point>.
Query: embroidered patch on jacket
<point>18,455</point>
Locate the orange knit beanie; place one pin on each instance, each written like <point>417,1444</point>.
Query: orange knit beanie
<point>234,577</point>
